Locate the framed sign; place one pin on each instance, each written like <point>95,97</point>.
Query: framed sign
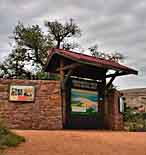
<point>121,104</point>
<point>21,93</point>
<point>84,84</point>
<point>84,97</point>
<point>84,101</point>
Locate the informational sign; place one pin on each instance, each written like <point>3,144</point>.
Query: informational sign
<point>121,104</point>
<point>84,97</point>
<point>84,84</point>
<point>21,93</point>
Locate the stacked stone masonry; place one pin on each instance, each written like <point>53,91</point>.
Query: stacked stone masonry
<point>136,98</point>
<point>46,110</point>
<point>43,113</point>
<point>113,118</point>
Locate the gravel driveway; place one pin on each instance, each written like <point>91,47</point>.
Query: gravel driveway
<point>80,143</point>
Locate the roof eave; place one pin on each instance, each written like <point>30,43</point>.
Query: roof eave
<point>54,52</point>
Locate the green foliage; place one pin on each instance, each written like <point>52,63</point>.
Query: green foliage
<point>117,57</point>
<point>42,75</point>
<point>3,129</point>
<point>59,32</point>
<point>11,139</point>
<point>54,77</point>
<point>29,55</point>
<point>47,76</point>
<point>33,40</point>
<point>8,138</point>
<point>14,65</point>
<point>134,121</point>
<point>30,51</point>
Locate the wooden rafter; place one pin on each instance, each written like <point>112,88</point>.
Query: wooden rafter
<point>83,59</point>
<point>68,76</point>
<point>118,74</point>
<point>74,65</point>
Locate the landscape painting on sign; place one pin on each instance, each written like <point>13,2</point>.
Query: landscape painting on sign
<point>83,102</point>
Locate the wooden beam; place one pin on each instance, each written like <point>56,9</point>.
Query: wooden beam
<point>111,80</point>
<point>63,95</point>
<point>118,74</point>
<point>74,65</point>
<point>64,80</point>
<point>68,76</point>
<point>61,70</point>
<point>101,92</point>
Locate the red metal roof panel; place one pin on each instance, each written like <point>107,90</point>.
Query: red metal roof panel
<point>93,60</point>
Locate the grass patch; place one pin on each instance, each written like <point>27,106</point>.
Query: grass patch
<point>8,138</point>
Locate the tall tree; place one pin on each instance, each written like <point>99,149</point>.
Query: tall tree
<point>59,32</point>
<point>31,46</point>
<point>14,66</point>
<point>33,40</point>
<point>30,51</point>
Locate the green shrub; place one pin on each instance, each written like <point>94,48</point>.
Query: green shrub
<point>11,139</point>
<point>134,121</point>
<point>3,129</point>
<point>8,138</point>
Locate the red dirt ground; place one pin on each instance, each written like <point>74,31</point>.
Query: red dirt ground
<point>80,143</point>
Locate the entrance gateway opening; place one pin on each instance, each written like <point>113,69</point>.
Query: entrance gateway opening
<point>83,84</point>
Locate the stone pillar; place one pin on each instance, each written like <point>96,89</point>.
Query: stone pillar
<point>113,119</point>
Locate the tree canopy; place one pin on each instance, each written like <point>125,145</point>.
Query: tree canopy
<point>59,32</point>
<point>29,53</point>
<point>31,46</point>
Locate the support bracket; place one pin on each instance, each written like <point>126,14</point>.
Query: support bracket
<point>112,79</point>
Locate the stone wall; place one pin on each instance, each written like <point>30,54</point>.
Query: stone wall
<point>43,113</point>
<point>136,98</point>
<point>46,110</point>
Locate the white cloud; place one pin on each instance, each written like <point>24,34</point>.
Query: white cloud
<point>116,25</point>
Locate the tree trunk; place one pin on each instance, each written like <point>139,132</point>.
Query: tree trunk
<point>58,44</point>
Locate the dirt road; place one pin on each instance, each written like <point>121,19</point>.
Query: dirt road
<point>80,143</point>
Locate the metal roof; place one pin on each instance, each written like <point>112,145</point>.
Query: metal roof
<point>88,60</point>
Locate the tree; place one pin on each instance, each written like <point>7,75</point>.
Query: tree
<point>30,51</point>
<point>35,43</point>
<point>31,46</point>
<point>94,50</point>
<point>116,57</point>
<point>14,66</point>
<point>59,32</point>
<point>70,46</point>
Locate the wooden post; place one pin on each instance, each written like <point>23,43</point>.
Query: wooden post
<point>63,97</point>
<point>102,95</point>
<point>61,70</point>
<point>102,100</point>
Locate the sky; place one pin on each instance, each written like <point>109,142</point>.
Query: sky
<point>115,25</point>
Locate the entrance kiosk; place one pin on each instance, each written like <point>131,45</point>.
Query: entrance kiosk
<point>83,85</point>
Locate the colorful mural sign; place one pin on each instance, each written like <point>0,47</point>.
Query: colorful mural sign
<point>21,93</point>
<point>83,101</point>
